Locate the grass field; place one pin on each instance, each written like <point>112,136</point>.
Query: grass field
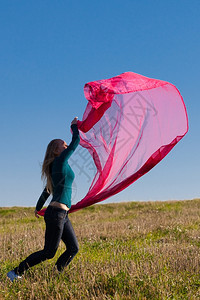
<point>135,250</point>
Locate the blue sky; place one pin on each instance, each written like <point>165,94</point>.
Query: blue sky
<point>50,49</point>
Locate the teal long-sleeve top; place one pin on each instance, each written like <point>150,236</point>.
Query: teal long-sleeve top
<point>62,175</point>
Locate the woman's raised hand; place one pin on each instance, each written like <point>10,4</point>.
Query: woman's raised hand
<point>74,121</point>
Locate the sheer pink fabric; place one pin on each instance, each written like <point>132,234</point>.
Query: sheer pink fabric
<point>130,124</point>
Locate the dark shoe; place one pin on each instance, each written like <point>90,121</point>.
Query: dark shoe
<point>13,276</point>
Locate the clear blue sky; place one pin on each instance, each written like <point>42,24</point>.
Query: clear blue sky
<point>50,49</point>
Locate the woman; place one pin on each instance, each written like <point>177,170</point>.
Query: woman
<point>59,177</point>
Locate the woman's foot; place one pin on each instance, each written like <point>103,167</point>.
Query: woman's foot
<point>13,276</point>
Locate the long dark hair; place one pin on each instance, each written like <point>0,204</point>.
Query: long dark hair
<point>46,166</point>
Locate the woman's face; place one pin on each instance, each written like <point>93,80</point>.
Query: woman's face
<point>61,147</point>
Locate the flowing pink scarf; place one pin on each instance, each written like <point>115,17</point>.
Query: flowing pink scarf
<point>130,124</point>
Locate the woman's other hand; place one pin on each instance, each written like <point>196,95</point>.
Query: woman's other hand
<point>36,214</point>
<point>74,121</point>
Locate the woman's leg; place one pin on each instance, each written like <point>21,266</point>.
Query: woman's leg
<point>54,228</point>
<point>70,240</point>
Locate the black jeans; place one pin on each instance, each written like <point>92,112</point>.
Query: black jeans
<point>58,226</point>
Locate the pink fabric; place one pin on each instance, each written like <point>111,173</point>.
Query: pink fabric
<point>130,124</point>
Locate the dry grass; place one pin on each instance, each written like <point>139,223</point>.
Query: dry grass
<point>127,251</point>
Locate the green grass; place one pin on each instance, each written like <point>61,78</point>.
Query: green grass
<point>127,251</point>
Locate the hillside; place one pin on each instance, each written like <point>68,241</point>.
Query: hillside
<point>134,250</point>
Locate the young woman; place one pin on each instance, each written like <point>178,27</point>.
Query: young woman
<point>59,177</point>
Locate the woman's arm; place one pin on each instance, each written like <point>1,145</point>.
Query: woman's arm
<point>43,197</point>
<point>65,155</point>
